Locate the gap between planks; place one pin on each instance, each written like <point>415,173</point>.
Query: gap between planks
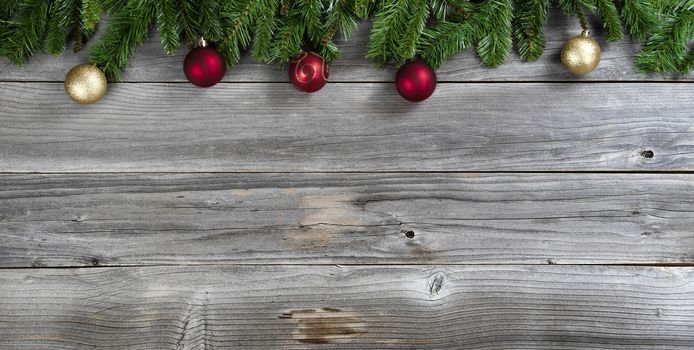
<point>385,172</point>
<point>381,264</point>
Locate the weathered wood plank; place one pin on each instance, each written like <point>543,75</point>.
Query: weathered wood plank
<point>130,219</point>
<point>567,307</point>
<point>150,64</point>
<point>348,127</point>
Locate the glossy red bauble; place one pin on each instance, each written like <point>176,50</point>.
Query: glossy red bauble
<point>204,66</point>
<point>308,72</point>
<point>415,81</point>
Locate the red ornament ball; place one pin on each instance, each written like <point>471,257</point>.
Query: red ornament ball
<point>308,72</point>
<point>415,81</point>
<point>204,66</point>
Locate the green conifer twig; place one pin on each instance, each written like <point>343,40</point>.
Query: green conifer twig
<point>277,30</point>
<point>290,35</point>
<point>128,29</point>
<point>61,23</point>
<point>640,17</point>
<point>238,15</point>
<point>611,20</point>
<point>666,49</point>
<point>169,25</point>
<point>24,34</point>
<point>389,26</point>
<point>494,45</point>
<point>265,27</point>
<point>528,28</point>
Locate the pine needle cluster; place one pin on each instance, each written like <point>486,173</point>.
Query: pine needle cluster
<point>274,31</point>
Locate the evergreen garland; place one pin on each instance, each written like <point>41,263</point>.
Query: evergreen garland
<point>277,30</point>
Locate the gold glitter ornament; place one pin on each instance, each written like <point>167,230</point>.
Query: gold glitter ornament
<point>85,83</point>
<point>580,54</point>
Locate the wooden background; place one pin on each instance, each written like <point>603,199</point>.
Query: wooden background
<point>518,208</point>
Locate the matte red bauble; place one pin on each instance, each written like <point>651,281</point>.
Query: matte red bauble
<point>415,81</point>
<point>204,66</point>
<point>308,72</point>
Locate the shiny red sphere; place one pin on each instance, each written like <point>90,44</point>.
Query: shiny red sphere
<point>204,66</point>
<point>308,72</point>
<point>415,81</point>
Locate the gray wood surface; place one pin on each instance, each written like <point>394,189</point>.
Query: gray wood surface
<point>151,64</point>
<point>348,127</point>
<point>250,215</point>
<point>322,307</point>
<point>137,219</point>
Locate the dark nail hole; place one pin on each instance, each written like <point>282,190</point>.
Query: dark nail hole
<point>409,234</point>
<point>647,154</point>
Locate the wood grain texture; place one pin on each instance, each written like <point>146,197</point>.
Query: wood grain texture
<point>302,307</point>
<point>86,220</point>
<point>348,127</point>
<point>150,64</point>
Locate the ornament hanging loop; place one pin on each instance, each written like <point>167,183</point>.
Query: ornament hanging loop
<point>202,42</point>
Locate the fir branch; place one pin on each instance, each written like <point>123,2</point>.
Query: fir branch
<point>238,15</point>
<point>7,8</point>
<point>289,39</point>
<point>189,20</point>
<point>440,9</point>
<point>113,6</point>
<point>284,7</point>
<point>666,49</point>
<point>61,23</point>
<point>640,17</point>
<point>25,33</point>
<point>78,38</point>
<point>127,30</point>
<point>169,25</point>
<point>494,45</point>
<point>419,12</point>
<point>573,8</point>
<point>311,11</point>
<point>688,63</point>
<point>265,27</point>
<point>364,8</point>
<point>279,29</point>
<point>610,19</point>
<point>672,6</point>
<point>390,22</point>
<point>529,28</point>
<point>341,18</point>
<point>210,23</point>
<point>443,40</point>
<point>320,36</point>
<point>90,15</point>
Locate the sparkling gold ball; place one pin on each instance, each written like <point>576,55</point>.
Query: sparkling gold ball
<point>85,83</point>
<point>580,54</point>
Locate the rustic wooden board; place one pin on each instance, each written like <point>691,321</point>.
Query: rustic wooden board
<point>135,219</point>
<point>301,307</point>
<point>150,64</point>
<point>353,175</point>
<point>348,127</point>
